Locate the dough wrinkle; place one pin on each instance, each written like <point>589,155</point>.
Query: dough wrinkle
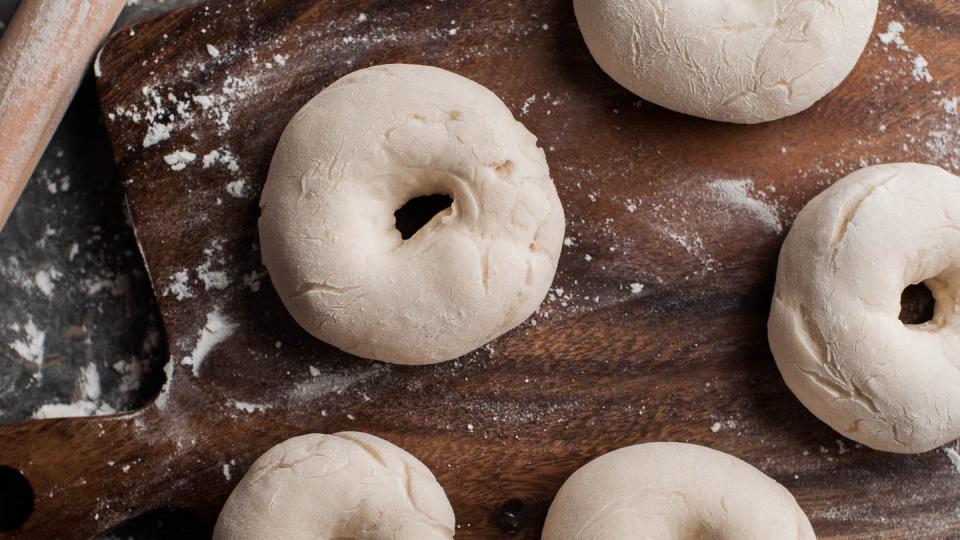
<point>364,448</point>
<point>359,151</point>
<point>346,485</point>
<point>834,326</point>
<point>736,61</point>
<point>850,212</point>
<point>673,490</point>
<point>323,287</point>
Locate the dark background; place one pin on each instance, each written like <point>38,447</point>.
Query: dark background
<point>100,319</point>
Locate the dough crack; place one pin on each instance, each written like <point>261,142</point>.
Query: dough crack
<point>323,288</point>
<point>406,480</point>
<point>849,213</point>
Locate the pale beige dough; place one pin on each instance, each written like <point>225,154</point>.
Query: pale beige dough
<point>673,491</point>
<point>834,327</point>
<point>743,61</point>
<point>356,153</point>
<point>345,485</point>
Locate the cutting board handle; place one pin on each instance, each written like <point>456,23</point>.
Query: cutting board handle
<point>75,467</point>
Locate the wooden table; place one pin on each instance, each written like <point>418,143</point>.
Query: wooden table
<point>693,211</point>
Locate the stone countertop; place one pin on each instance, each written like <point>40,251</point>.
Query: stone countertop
<point>79,328</point>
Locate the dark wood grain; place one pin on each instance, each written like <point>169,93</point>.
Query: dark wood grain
<point>686,359</point>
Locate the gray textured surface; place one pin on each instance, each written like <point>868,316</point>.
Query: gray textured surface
<point>79,327</point>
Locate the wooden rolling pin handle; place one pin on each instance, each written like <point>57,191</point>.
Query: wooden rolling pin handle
<point>43,56</point>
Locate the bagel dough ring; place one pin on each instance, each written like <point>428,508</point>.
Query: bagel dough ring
<point>360,150</point>
<point>742,61</point>
<point>666,490</point>
<point>345,485</point>
<point>834,327</point>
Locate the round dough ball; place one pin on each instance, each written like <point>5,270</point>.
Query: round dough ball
<point>346,485</point>
<point>743,61</point>
<point>834,326</point>
<point>673,490</point>
<point>359,151</point>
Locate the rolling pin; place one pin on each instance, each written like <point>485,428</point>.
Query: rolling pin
<point>43,56</point>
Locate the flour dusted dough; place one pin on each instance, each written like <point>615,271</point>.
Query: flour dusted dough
<point>744,61</point>
<point>662,491</point>
<point>360,150</point>
<point>834,327</point>
<point>346,485</point>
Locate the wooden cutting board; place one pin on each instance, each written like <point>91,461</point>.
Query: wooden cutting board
<point>656,328</point>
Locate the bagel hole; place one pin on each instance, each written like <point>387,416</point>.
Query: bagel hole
<point>916,305</point>
<point>417,212</point>
<point>16,499</point>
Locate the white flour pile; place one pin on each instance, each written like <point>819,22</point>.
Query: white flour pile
<point>741,195</point>
<point>178,286</point>
<point>161,113</point>
<point>30,344</point>
<point>46,280</point>
<point>213,274</point>
<point>89,403</point>
<point>215,331</point>
<point>894,36</point>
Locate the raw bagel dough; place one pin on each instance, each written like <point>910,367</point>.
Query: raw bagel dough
<point>743,61</point>
<point>360,150</point>
<point>346,485</point>
<point>660,491</point>
<point>834,327</point>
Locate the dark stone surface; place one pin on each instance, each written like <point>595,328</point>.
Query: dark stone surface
<point>79,327</point>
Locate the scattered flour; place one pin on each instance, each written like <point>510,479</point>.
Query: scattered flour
<point>525,108</point>
<point>237,189</point>
<point>250,408</point>
<point>739,194</point>
<point>179,160</point>
<point>132,373</point>
<point>950,105</point>
<point>30,346</point>
<point>322,383</point>
<point>164,394</point>
<point>179,286</point>
<point>252,280</point>
<point>894,34</point>
<point>215,279</point>
<point>115,285</point>
<point>204,101</point>
<point>223,157</point>
<point>45,281</point>
<point>89,403</point>
<point>156,133</point>
<point>954,457</point>
<point>210,159</point>
<point>920,71</point>
<point>217,328</point>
